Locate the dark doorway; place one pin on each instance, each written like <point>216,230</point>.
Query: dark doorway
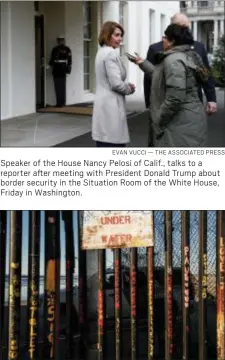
<point>40,61</point>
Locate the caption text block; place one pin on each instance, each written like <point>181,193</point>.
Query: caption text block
<point>115,179</point>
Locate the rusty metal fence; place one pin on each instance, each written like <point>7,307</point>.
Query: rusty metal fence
<point>162,302</point>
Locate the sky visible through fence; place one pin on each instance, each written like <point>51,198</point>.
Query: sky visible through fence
<point>159,246</point>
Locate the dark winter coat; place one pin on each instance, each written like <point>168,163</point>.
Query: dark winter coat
<point>178,115</point>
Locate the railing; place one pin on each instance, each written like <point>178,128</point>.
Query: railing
<point>116,311</point>
<point>202,7</point>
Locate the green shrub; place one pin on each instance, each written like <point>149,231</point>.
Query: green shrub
<point>218,66</point>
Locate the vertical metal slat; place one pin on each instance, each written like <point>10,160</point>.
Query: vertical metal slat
<point>3,229</point>
<point>117,267</point>
<point>67,217</point>
<point>168,287</point>
<point>33,283</point>
<point>15,284</point>
<point>202,321</point>
<point>220,285</point>
<point>101,305</point>
<point>52,283</point>
<point>185,255</point>
<point>150,269</point>
<point>82,290</point>
<point>150,286</point>
<point>133,296</point>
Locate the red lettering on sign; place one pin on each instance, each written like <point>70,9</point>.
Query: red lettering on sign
<point>115,220</point>
<point>116,239</point>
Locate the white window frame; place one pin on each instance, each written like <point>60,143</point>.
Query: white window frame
<point>87,40</point>
<point>203,4</point>
<point>162,24</point>
<point>122,22</point>
<point>152,26</point>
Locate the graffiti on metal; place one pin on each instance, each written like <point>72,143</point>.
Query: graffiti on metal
<point>221,302</point>
<point>186,276</point>
<point>117,229</point>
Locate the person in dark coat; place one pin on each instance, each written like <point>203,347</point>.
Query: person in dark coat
<point>178,115</point>
<point>208,87</point>
<point>61,63</point>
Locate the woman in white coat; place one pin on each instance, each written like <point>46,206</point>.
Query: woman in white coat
<point>109,120</point>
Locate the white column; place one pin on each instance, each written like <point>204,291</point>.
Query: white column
<point>6,60</point>
<point>221,27</point>
<point>100,15</point>
<point>215,43</point>
<point>73,26</point>
<point>111,11</point>
<point>195,32</point>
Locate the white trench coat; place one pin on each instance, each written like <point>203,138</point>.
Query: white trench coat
<point>109,120</point>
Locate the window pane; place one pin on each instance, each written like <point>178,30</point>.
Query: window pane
<point>85,10</point>
<point>122,50</point>
<point>121,14</point>
<point>87,31</point>
<point>86,48</point>
<point>36,5</point>
<point>202,3</point>
<point>121,10</point>
<point>86,82</point>
<point>87,13</point>
<point>86,65</point>
<point>87,26</point>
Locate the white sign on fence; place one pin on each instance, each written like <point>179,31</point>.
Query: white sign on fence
<point>117,229</point>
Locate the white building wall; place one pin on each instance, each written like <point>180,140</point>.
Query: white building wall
<point>111,11</point>
<point>74,39</point>
<point>17,59</point>
<point>139,36</point>
<point>132,40</point>
<point>5,63</point>
<point>18,46</point>
<point>137,30</point>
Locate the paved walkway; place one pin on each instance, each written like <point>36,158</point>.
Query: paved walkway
<point>46,130</point>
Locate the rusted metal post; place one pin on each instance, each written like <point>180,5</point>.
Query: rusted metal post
<point>202,320</point>
<point>101,305</point>
<point>133,297</point>
<point>117,267</point>
<point>150,261</point>
<point>14,284</point>
<point>70,265</point>
<point>3,229</point>
<point>168,287</point>
<point>185,255</point>
<point>82,282</point>
<point>33,284</point>
<point>150,279</point>
<point>52,283</point>
<point>220,285</point>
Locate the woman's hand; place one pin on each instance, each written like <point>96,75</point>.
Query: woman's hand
<point>132,86</point>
